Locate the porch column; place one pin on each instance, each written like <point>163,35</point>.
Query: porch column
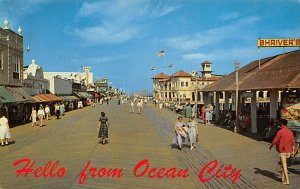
<point>205,98</point>
<point>253,113</point>
<point>226,100</point>
<point>273,103</point>
<point>217,108</point>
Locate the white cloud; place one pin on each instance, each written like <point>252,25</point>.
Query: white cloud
<point>118,20</point>
<point>196,56</point>
<point>164,9</point>
<point>229,16</point>
<point>109,34</point>
<point>212,36</point>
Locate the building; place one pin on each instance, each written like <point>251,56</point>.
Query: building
<point>34,81</point>
<point>59,86</point>
<point>79,80</point>
<point>273,79</point>
<point>182,87</point>
<point>11,56</point>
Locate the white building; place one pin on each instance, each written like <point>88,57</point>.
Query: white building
<point>34,81</point>
<point>82,78</point>
<point>58,85</point>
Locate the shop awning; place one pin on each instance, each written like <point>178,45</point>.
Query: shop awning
<point>20,95</point>
<point>74,97</point>
<point>68,98</point>
<point>83,94</point>
<point>47,97</point>
<point>6,96</point>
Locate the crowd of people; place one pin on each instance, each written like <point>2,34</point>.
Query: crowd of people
<point>45,113</point>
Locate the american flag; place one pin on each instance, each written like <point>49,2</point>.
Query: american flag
<point>160,53</point>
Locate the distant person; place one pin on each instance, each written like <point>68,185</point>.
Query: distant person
<point>285,145</point>
<point>57,111</point>
<point>4,130</point>
<point>102,129</point>
<point>207,115</point>
<point>203,114</point>
<point>131,107</point>
<point>193,132</point>
<point>33,117</point>
<point>160,107</point>
<point>139,106</point>
<point>47,112</point>
<point>41,115</point>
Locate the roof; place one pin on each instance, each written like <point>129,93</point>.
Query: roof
<point>206,62</point>
<point>181,73</point>
<point>6,96</point>
<point>207,78</point>
<point>276,72</point>
<point>20,94</point>
<point>47,97</point>
<point>160,76</point>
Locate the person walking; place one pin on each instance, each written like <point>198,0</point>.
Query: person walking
<point>4,130</point>
<point>102,129</point>
<point>203,114</point>
<point>160,107</point>
<point>180,133</point>
<point>41,115</point>
<point>47,111</point>
<point>139,106</point>
<point>56,109</point>
<point>207,115</point>
<point>193,132</point>
<point>33,117</point>
<point>285,145</point>
<point>131,107</point>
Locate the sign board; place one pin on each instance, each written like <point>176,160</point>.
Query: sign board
<point>247,95</point>
<point>292,42</point>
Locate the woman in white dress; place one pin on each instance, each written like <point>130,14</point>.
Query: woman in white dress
<point>193,132</point>
<point>179,132</point>
<point>4,130</point>
<point>33,117</point>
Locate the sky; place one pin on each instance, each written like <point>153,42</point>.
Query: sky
<point>119,39</point>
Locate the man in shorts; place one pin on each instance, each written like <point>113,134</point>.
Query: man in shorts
<point>285,145</point>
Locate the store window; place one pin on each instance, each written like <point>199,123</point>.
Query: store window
<point>15,60</point>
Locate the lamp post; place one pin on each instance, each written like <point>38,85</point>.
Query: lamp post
<point>196,95</point>
<point>237,67</point>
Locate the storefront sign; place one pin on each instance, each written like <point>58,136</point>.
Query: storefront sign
<point>294,42</point>
<point>247,95</point>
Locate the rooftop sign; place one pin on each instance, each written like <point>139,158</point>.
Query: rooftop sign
<point>293,42</point>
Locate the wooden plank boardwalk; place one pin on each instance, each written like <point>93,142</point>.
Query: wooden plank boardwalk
<point>195,159</point>
<point>73,141</point>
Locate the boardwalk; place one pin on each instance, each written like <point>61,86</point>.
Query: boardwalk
<point>72,141</point>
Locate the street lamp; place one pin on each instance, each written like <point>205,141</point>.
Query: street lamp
<point>237,67</point>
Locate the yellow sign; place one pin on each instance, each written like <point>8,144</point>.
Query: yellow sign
<point>278,42</point>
